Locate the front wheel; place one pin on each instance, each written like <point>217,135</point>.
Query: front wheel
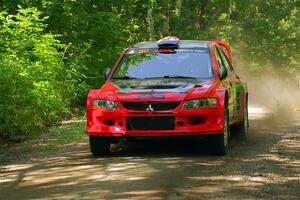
<point>99,145</point>
<point>219,142</point>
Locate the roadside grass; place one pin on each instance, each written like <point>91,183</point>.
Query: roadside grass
<point>65,133</point>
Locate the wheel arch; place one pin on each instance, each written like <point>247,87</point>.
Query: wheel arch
<point>223,96</point>
<point>245,102</point>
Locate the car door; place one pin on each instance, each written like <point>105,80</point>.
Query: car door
<point>226,82</point>
<point>236,85</point>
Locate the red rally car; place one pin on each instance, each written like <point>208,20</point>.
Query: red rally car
<point>169,88</point>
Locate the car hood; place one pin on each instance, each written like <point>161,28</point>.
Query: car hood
<point>155,90</point>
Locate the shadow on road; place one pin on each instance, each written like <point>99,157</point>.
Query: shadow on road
<point>265,166</point>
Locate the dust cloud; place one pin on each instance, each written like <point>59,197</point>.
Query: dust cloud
<point>273,89</point>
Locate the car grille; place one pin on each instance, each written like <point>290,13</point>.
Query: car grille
<point>150,123</point>
<point>152,106</point>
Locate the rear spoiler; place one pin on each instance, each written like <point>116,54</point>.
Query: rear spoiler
<point>226,46</point>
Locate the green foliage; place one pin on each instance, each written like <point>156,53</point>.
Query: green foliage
<point>267,32</point>
<point>35,87</point>
<point>270,32</point>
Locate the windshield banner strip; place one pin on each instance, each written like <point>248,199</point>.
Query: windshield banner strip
<point>155,50</point>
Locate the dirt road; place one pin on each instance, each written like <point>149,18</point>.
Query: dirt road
<point>265,166</point>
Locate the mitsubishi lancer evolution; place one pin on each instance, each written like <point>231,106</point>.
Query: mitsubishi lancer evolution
<point>166,88</point>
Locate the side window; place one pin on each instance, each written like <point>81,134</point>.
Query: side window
<point>222,49</point>
<point>221,66</point>
<point>218,58</point>
<point>226,61</point>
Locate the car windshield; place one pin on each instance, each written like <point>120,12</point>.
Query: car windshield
<point>189,63</point>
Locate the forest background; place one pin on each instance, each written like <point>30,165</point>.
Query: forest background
<point>53,51</point>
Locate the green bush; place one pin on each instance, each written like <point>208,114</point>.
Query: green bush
<point>35,86</point>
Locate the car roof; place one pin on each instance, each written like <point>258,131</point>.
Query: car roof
<point>182,44</point>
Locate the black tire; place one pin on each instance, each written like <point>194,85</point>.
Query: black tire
<point>219,142</point>
<point>241,129</point>
<point>99,145</point>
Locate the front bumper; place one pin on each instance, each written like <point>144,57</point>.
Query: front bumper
<point>186,122</point>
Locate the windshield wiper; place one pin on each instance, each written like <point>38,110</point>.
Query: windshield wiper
<point>124,77</point>
<point>176,76</point>
<point>166,76</point>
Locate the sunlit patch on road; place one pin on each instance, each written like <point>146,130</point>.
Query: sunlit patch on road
<point>258,112</point>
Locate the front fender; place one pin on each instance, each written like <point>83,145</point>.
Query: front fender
<point>93,94</point>
<point>221,94</point>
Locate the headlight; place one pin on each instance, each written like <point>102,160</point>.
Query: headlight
<point>200,103</point>
<point>105,104</point>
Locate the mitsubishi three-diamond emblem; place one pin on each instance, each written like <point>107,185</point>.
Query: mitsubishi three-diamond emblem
<point>150,108</point>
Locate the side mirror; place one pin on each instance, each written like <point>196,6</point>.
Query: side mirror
<point>222,73</point>
<point>106,73</point>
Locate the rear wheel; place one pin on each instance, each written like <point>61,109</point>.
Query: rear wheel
<point>99,145</point>
<point>242,128</point>
<point>219,142</point>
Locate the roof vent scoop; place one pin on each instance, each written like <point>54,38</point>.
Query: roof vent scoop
<point>170,42</point>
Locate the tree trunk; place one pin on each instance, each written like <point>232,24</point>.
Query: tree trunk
<point>165,19</point>
<point>200,9</point>
<point>150,24</point>
<point>231,8</point>
<point>178,7</point>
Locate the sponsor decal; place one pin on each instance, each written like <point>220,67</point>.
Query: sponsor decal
<point>190,50</point>
<point>143,51</point>
<point>165,51</point>
<point>130,52</point>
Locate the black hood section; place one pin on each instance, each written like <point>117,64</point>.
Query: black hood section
<point>145,86</point>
